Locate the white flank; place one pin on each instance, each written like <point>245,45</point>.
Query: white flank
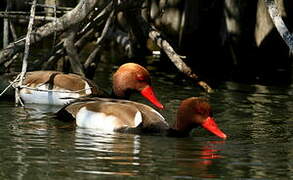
<point>88,90</point>
<point>137,119</point>
<point>42,97</point>
<point>95,120</point>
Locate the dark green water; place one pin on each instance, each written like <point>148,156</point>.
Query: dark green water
<point>258,120</point>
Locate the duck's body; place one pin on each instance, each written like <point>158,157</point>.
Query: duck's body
<point>114,115</point>
<point>56,88</point>
<point>128,116</point>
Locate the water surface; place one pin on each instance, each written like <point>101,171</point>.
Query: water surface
<point>258,120</point>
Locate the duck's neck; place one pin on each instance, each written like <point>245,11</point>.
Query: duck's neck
<point>179,129</point>
<point>122,94</point>
<point>172,132</point>
<point>114,96</point>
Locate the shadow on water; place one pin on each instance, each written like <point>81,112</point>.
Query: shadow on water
<point>258,120</point>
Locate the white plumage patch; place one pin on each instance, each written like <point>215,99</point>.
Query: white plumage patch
<point>43,97</point>
<point>95,120</point>
<point>87,88</point>
<point>137,118</point>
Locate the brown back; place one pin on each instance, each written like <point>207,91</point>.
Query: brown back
<point>71,82</point>
<point>125,110</point>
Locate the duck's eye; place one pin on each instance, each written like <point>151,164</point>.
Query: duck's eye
<point>140,77</point>
<point>143,79</point>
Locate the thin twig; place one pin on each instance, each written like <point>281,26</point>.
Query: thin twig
<point>14,44</point>
<point>26,50</point>
<point>72,53</point>
<point>48,90</point>
<point>53,59</point>
<point>11,84</point>
<point>26,13</point>
<point>106,28</point>
<point>102,37</point>
<point>56,53</point>
<point>176,59</point>
<point>91,58</point>
<point>20,101</point>
<point>101,14</point>
<point>6,25</point>
<point>48,6</point>
<point>55,16</point>
<point>87,37</point>
<point>279,23</point>
<point>13,32</point>
<point>39,18</point>
<point>5,32</point>
<point>7,64</point>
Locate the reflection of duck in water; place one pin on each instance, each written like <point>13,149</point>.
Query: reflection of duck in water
<point>109,150</point>
<point>198,160</point>
<point>129,116</point>
<point>57,88</point>
<point>210,152</point>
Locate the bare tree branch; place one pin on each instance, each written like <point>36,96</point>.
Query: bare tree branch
<point>106,28</point>
<point>122,39</point>
<point>91,58</point>
<point>27,17</point>
<point>74,59</point>
<point>13,32</point>
<point>75,16</point>
<point>26,52</point>
<point>6,26</point>
<point>279,23</point>
<point>105,10</point>
<point>162,43</point>
<point>57,7</point>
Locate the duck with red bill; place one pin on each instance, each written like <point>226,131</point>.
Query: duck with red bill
<point>132,77</point>
<point>129,77</point>
<point>132,117</point>
<point>210,125</point>
<point>149,94</point>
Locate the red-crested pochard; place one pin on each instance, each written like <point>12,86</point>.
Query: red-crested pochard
<point>132,117</point>
<point>131,77</point>
<point>59,89</point>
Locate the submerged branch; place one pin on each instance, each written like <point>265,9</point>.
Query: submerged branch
<point>176,59</point>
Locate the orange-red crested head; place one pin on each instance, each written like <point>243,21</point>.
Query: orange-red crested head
<point>132,77</point>
<point>194,112</point>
